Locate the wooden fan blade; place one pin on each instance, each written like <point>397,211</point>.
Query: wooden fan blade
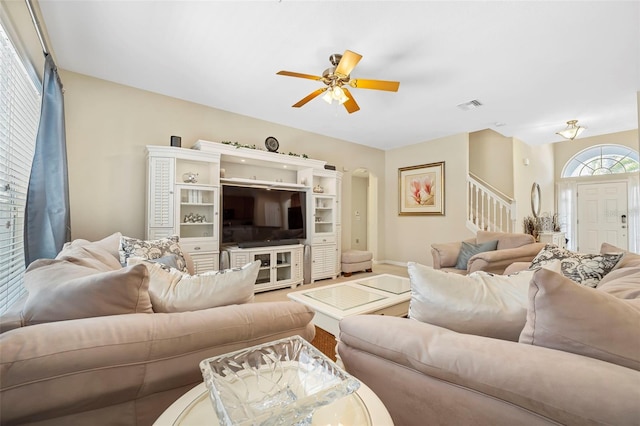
<point>390,86</point>
<point>351,105</point>
<point>300,75</point>
<point>308,98</point>
<point>347,63</point>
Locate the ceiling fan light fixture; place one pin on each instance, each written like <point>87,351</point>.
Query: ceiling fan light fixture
<point>572,131</point>
<point>336,93</point>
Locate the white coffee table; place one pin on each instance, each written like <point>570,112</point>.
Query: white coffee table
<point>361,408</point>
<point>383,294</point>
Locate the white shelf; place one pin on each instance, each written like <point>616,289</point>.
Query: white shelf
<point>262,183</point>
<point>257,157</point>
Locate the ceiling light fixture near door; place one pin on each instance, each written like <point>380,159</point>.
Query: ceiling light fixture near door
<point>572,131</point>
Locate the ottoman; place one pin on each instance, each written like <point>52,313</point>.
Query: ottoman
<point>356,260</point>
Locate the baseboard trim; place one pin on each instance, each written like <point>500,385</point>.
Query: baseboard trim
<point>390,262</point>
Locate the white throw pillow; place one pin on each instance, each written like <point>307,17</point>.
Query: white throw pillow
<point>480,303</point>
<point>173,291</point>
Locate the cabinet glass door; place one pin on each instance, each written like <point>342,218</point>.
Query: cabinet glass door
<point>324,222</point>
<point>264,273</point>
<point>283,265</point>
<point>197,211</point>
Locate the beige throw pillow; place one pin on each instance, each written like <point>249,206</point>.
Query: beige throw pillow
<point>569,317</point>
<point>480,303</point>
<point>110,243</point>
<point>61,290</point>
<point>173,291</point>
<point>629,259</point>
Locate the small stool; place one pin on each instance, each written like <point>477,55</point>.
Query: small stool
<point>356,260</point>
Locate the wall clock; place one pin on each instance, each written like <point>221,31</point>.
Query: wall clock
<point>272,144</point>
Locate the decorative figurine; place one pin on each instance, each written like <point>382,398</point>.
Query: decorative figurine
<point>190,177</point>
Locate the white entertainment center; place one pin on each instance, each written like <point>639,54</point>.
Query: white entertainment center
<point>185,190</point>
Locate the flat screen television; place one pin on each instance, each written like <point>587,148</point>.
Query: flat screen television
<point>254,217</point>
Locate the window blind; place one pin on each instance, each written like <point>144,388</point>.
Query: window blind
<point>20,102</point>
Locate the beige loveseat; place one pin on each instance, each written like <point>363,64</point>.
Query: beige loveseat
<point>576,361</point>
<point>124,368</point>
<point>511,247</point>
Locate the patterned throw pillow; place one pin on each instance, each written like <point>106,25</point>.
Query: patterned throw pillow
<point>152,249</point>
<point>583,268</point>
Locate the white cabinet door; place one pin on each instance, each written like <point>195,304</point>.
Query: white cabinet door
<point>161,195</point>
<point>323,261</point>
<point>324,218</point>
<point>279,266</point>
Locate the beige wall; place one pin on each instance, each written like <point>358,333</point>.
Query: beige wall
<point>539,170</point>
<point>410,237</point>
<point>108,126</point>
<point>489,153</point>
<point>358,213</point>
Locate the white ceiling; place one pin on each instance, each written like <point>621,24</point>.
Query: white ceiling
<point>533,65</point>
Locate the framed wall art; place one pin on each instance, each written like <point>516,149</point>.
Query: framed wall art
<point>421,189</point>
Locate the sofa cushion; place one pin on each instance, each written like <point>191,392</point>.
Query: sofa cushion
<point>624,283</point>
<point>110,243</point>
<point>469,249</point>
<point>152,249</point>
<point>628,258</point>
<point>583,268</point>
<point>480,303</point>
<point>61,290</point>
<point>506,240</point>
<point>90,256</point>
<point>569,317</point>
<point>172,291</point>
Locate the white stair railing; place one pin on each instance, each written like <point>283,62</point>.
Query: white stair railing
<point>488,209</point>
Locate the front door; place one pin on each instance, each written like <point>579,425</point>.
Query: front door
<point>602,216</point>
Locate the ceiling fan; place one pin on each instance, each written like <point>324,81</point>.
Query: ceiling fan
<point>337,77</point>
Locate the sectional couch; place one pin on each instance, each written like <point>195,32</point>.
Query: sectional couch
<point>545,351</point>
<point>86,347</point>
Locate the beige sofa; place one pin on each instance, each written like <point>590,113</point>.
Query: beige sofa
<point>511,247</point>
<point>124,368</point>
<point>576,362</point>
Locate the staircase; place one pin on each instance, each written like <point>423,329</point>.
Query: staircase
<point>488,209</point>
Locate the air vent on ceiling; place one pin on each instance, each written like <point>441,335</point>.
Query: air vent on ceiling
<point>470,105</point>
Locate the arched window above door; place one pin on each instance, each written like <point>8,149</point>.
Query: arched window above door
<point>602,160</point>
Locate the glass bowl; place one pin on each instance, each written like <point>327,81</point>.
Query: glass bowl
<point>276,383</point>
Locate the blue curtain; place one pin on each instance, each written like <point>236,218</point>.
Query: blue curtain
<point>47,221</point>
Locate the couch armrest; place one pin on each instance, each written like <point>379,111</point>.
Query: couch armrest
<point>465,379</point>
<point>445,255</point>
<point>516,267</point>
<point>87,364</point>
<point>496,261</point>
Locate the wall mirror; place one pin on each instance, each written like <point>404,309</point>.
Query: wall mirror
<point>535,199</point>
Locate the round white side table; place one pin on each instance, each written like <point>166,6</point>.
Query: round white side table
<point>361,408</point>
